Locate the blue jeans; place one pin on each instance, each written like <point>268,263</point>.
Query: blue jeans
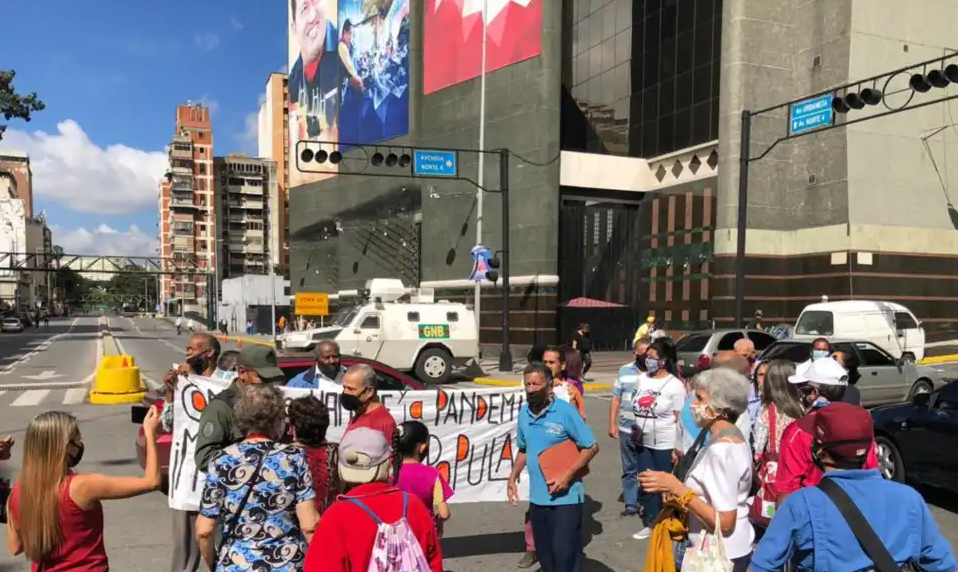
<point>558,536</point>
<point>630,471</point>
<point>653,460</point>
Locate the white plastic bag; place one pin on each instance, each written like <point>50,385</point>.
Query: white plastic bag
<point>709,555</point>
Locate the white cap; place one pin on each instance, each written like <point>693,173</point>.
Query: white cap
<point>823,371</point>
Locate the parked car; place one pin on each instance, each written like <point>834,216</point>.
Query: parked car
<point>915,439</point>
<point>696,350</point>
<point>884,379</point>
<point>26,319</point>
<point>387,379</point>
<point>11,324</point>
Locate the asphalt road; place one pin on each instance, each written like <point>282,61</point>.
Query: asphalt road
<point>479,537</point>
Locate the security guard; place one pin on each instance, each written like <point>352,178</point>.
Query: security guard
<point>256,364</point>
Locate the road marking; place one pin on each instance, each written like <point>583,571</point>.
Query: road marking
<point>75,396</point>
<point>43,376</point>
<point>171,344</point>
<point>1,393</point>
<point>31,397</point>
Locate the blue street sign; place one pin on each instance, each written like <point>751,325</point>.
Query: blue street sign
<point>434,163</point>
<point>810,114</point>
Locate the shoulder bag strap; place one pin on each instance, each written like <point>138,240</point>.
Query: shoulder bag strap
<point>870,542</point>
<point>772,446</point>
<point>230,530</point>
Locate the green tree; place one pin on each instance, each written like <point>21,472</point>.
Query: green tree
<point>282,270</point>
<point>133,288</point>
<point>14,105</point>
<point>74,286</point>
<point>57,252</point>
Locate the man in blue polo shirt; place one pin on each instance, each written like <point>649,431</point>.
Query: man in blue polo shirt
<point>555,507</point>
<point>810,532</point>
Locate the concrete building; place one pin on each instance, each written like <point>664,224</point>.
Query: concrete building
<point>247,211</point>
<point>624,133</point>
<point>273,144</point>
<point>17,163</point>
<point>15,287</point>
<point>187,223</point>
<point>249,299</point>
<point>39,243</point>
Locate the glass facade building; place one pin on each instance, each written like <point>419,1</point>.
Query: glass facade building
<point>640,77</point>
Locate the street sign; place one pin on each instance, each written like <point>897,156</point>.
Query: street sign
<point>434,163</point>
<point>811,114</point>
<point>311,304</point>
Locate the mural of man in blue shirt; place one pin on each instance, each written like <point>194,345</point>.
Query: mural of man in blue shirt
<point>315,77</point>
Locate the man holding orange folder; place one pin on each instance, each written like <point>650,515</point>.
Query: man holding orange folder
<point>556,445</point>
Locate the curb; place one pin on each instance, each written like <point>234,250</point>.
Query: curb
<point>50,385</point>
<point>491,381</point>
<point>939,359</point>
<point>251,341</point>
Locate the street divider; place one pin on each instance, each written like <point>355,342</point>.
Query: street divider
<point>117,378</point>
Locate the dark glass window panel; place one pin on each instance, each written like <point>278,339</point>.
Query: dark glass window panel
<point>650,104</point>
<point>686,15</point>
<point>637,71</point>
<point>716,39</point>
<point>638,37</point>
<point>701,122</point>
<point>607,51</point>
<point>623,15</point>
<point>702,84</point>
<point>666,134</point>
<point>683,128</point>
<point>683,90</point>
<point>704,10</point>
<point>717,10</point>
<point>669,21</point>
<point>650,139</point>
<point>623,47</point>
<point>650,68</point>
<point>713,121</point>
<point>608,21</point>
<point>716,80</point>
<point>684,47</point>
<point>667,60</point>
<point>635,108</point>
<point>667,96</point>
<point>623,87</point>
<point>635,140</point>
<point>653,32</point>
<point>652,6</point>
<point>703,45</point>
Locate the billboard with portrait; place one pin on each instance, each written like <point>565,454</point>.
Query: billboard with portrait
<point>348,75</point>
<point>452,51</point>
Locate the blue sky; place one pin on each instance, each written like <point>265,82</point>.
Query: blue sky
<point>111,74</point>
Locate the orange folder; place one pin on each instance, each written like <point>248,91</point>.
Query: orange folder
<point>556,460</point>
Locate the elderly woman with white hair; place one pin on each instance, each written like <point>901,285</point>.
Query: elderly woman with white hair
<point>717,485</point>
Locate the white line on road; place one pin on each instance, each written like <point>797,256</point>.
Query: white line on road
<point>31,397</point>
<point>41,347</point>
<point>75,396</point>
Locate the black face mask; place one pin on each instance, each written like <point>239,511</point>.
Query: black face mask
<point>74,460</point>
<point>328,370</point>
<point>640,362</point>
<point>197,363</point>
<point>350,402</point>
<point>537,399</point>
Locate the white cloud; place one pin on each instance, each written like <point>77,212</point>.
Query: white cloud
<point>72,170</point>
<point>249,138</point>
<point>105,241</point>
<point>206,42</point>
<point>237,25</point>
<point>210,103</point>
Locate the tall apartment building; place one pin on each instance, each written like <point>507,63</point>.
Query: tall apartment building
<point>187,221</point>
<point>247,212</point>
<point>17,163</point>
<point>273,144</point>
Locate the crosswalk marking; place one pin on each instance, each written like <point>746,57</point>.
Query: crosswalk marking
<point>31,397</point>
<point>75,396</point>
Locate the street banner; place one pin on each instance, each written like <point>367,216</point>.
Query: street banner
<point>472,435</point>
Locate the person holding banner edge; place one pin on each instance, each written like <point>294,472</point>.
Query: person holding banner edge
<point>556,504</point>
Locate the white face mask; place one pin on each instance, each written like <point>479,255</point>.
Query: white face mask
<point>701,414</point>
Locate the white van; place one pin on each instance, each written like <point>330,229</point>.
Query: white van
<point>888,325</point>
<point>404,328</point>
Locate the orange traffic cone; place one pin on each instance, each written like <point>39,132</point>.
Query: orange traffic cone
<point>125,362</point>
<point>239,342</point>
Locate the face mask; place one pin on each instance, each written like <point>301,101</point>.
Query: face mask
<point>701,415</point>
<point>328,371</point>
<point>350,402</point>
<point>818,354</point>
<point>197,363</point>
<point>537,399</point>
<point>640,362</point>
<point>75,458</point>
<point>651,365</point>
<point>751,360</point>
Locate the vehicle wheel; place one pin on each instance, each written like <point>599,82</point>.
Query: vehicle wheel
<point>908,357</point>
<point>921,386</point>
<point>434,366</point>
<point>889,460</point>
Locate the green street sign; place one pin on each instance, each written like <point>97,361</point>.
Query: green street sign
<point>433,331</point>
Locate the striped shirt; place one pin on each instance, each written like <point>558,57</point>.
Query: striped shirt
<point>623,388</point>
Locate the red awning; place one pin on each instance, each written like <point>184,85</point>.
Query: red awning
<point>591,303</point>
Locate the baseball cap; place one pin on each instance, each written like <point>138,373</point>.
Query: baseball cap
<point>262,360</point>
<point>361,452</point>
<point>823,371</point>
<point>843,430</point>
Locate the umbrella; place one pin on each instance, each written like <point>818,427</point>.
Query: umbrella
<point>591,303</point>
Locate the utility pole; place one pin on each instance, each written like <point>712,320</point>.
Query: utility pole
<point>477,302</point>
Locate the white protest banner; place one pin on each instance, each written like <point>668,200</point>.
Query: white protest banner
<point>472,435</point>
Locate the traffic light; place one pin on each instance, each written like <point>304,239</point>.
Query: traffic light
<point>923,82</point>
<point>307,155</point>
<point>377,159</point>
<point>856,99</point>
<point>492,275</point>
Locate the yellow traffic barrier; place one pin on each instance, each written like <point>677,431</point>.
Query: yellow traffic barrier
<point>117,381</point>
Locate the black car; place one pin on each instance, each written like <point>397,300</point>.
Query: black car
<point>916,439</point>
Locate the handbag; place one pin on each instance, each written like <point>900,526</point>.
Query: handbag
<point>685,462</point>
<point>762,508</point>
<point>229,532</point>
<point>709,555</point>
<point>871,544</point>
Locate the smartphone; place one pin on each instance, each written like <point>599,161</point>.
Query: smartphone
<point>138,414</point>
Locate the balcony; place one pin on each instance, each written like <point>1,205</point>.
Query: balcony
<point>183,205</point>
<point>183,229</point>
<point>181,151</point>
<point>250,205</point>
<point>245,190</point>
<point>181,182</point>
